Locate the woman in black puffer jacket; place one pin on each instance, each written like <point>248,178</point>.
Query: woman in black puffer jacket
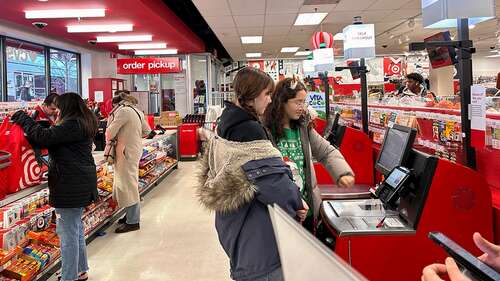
<point>72,175</point>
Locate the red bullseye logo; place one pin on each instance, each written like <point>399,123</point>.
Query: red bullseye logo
<point>396,69</point>
<point>31,170</point>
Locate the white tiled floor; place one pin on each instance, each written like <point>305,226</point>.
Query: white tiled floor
<point>177,240</point>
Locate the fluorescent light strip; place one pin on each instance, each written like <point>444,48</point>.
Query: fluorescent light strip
<point>65,13</point>
<point>142,46</point>
<point>340,37</point>
<point>251,39</point>
<point>310,18</point>
<point>303,53</point>
<point>289,49</point>
<point>253,55</point>
<point>100,28</point>
<point>156,52</point>
<point>124,38</point>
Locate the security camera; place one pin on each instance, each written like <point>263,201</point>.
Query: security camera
<point>40,25</point>
<point>384,46</point>
<point>92,42</point>
<point>492,47</point>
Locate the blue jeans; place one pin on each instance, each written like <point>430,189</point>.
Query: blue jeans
<point>133,213</point>
<point>69,227</point>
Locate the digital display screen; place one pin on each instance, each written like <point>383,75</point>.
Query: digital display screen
<point>395,178</point>
<point>393,149</point>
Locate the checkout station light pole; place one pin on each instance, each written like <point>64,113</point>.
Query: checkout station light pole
<point>359,43</point>
<point>459,14</point>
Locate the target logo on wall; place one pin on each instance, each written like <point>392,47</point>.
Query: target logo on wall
<point>31,171</point>
<point>393,66</point>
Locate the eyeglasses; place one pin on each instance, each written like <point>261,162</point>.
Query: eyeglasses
<point>299,103</point>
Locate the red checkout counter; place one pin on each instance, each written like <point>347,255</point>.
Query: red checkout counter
<point>388,239</point>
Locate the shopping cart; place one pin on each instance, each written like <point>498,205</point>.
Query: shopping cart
<point>5,159</point>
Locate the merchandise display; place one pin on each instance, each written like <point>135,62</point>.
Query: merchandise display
<point>439,128</point>
<point>29,243</point>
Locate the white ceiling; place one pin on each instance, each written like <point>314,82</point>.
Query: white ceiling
<point>273,19</point>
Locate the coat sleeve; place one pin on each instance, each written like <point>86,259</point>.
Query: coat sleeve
<point>274,183</point>
<point>115,123</point>
<point>329,156</point>
<point>46,137</point>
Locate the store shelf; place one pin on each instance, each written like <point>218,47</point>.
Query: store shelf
<point>21,194</point>
<point>54,265</point>
<point>158,179</point>
<point>147,163</point>
<point>101,202</point>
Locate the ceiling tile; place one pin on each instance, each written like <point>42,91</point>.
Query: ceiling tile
<point>249,21</point>
<point>401,14</point>
<point>220,22</point>
<point>251,31</point>
<point>413,4</point>
<point>283,6</point>
<point>280,19</point>
<point>246,7</point>
<point>317,8</point>
<point>226,32</point>
<point>344,17</point>
<point>349,5</point>
<point>212,7</point>
<point>386,5</point>
<point>276,30</point>
<point>375,16</point>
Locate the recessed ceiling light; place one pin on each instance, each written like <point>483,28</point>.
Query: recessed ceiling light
<point>124,38</point>
<point>289,49</point>
<point>303,53</point>
<point>251,39</point>
<point>142,46</point>
<point>310,18</point>
<point>494,56</point>
<point>339,36</point>
<point>472,26</point>
<point>253,55</point>
<point>100,28</point>
<point>156,52</point>
<point>64,13</point>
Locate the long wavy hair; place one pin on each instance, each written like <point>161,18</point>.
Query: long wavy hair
<point>248,85</point>
<point>72,106</point>
<point>285,90</point>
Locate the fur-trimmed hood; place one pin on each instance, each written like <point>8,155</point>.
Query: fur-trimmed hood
<point>222,184</point>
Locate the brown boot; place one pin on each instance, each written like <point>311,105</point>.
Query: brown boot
<point>127,228</point>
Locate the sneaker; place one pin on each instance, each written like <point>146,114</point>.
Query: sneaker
<point>127,228</point>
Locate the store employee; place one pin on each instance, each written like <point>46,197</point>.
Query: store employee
<point>46,113</point>
<point>415,86</point>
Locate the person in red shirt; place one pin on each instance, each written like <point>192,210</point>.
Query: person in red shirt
<point>46,113</point>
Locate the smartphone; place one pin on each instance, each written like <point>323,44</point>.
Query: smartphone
<point>473,265</point>
<point>45,160</point>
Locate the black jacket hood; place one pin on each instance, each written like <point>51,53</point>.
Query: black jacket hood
<point>231,117</point>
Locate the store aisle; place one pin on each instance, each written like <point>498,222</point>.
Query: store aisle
<point>177,240</point>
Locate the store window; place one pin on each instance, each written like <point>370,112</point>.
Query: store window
<point>25,71</point>
<point>199,79</point>
<point>63,72</point>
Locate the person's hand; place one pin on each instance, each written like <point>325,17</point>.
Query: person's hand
<point>346,181</point>
<point>18,117</point>
<point>302,214</point>
<point>491,251</point>
<point>434,272</point>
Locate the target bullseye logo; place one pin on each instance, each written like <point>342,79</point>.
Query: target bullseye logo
<point>396,69</point>
<point>31,170</point>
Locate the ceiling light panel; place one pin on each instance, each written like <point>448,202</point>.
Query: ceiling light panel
<point>140,46</point>
<point>100,28</point>
<point>310,18</point>
<point>253,55</point>
<point>303,53</point>
<point>124,38</point>
<point>251,39</point>
<point>156,52</point>
<point>289,49</point>
<point>65,13</point>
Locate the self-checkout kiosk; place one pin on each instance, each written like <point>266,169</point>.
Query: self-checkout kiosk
<point>357,149</point>
<point>385,237</point>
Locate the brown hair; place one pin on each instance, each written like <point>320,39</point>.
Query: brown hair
<point>71,106</point>
<point>285,90</point>
<point>124,95</point>
<point>249,84</point>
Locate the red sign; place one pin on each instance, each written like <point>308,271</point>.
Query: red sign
<point>148,65</point>
<point>393,66</point>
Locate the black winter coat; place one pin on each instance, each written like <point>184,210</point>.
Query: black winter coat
<point>247,234</point>
<point>72,171</point>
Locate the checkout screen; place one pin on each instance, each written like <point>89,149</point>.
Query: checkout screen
<point>395,178</point>
<point>393,150</point>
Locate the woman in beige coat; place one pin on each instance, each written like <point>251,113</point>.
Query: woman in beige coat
<point>126,127</point>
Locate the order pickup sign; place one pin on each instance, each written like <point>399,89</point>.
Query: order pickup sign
<point>148,65</point>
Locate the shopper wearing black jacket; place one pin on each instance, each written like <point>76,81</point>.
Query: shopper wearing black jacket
<point>242,173</point>
<point>72,176</point>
